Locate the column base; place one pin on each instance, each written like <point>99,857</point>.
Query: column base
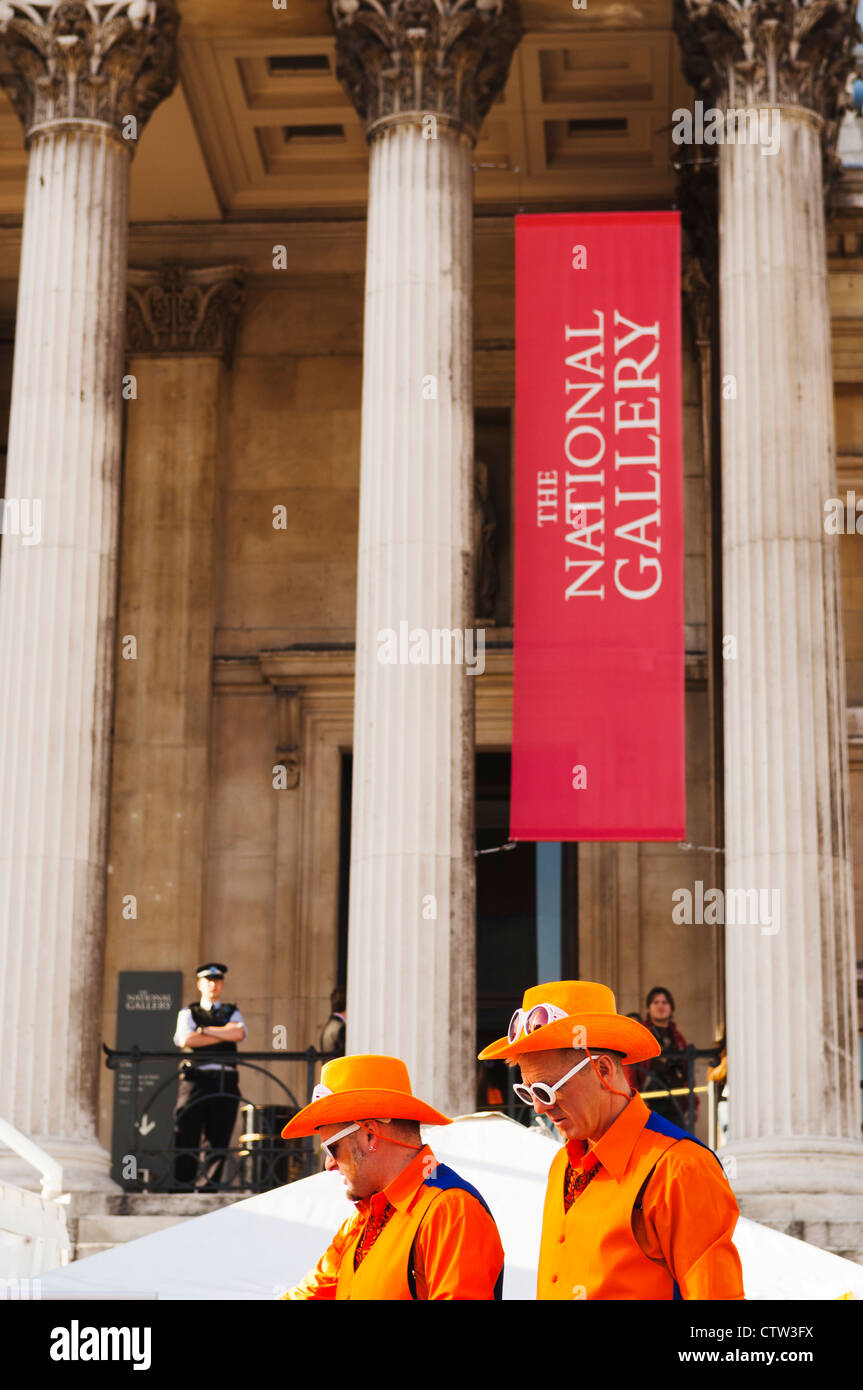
<point>86,1167</point>
<point>812,1190</point>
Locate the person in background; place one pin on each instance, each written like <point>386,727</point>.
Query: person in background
<point>663,1073</point>
<point>208,1094</point>
<point>335,1028</point>
<point>718,1074</point>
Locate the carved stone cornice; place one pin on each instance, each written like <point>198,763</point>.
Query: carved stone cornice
<point>400,60</point>
<point>744,53</point>
<point>184,312</point>
<point>88,61</point>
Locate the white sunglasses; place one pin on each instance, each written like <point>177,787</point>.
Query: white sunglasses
<point>543,1091</point>
<point>328,1144</point>
<point>527,1021</point>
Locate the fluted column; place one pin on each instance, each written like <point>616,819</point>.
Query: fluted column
<point>422,82</point>
<point>792,1039</point>
<point>84,80</point>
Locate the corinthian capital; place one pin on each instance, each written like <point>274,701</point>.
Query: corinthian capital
<point>768,52</point>
<point>184,312</point>
<point>88,61</point>
<point>403,59</point>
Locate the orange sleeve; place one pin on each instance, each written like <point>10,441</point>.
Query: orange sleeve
<point>320,1282</point>
<point>459,1252</point>
<point>689,1214</point>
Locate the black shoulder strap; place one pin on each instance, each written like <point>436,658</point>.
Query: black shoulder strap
<point>637,1204</point>
<point>412,1257</point>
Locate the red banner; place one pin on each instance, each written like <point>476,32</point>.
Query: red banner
<point>598,678</point>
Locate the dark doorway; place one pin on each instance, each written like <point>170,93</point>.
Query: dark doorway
<point>526,911</point>
<point>505,904</point>
<point>526,918</point>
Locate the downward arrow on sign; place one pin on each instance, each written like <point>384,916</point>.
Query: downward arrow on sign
<point>145,1125</point>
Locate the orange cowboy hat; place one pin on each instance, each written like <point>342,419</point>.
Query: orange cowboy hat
<point>362,1087</point>
<point>583,1015</point>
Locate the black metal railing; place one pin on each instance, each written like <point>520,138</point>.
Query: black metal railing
<point>654,1083</point>
<point>259,1161</point>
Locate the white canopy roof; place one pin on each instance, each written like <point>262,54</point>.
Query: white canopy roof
<point>258,1247</point>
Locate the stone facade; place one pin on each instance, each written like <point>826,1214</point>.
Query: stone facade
<point>268,360</point>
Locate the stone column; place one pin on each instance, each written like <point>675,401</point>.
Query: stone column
<point>792,1040</point>
<point>180,330</point>
<point>422,78</point>
<point>84,80</point>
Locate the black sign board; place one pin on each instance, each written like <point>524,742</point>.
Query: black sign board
<point>147,1006</point>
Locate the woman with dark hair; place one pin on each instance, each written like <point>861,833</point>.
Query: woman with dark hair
<point>663,1073</point>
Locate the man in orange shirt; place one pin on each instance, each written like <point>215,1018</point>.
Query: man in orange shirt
<point>419,1230</point>
<point>636,1208</point>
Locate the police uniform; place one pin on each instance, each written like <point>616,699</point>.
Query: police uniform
<point>208,1092</point>
<point>333,1034</point>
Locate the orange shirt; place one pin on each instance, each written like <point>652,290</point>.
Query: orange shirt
<point>655,1222</point>
<point>440,1242</point>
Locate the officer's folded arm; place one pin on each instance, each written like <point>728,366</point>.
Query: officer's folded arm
<point>196,1039</point>
<point>228,1032</point>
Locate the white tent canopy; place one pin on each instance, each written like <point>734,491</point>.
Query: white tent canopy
<point>258,1247</point>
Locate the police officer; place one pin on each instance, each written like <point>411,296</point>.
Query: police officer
<point>333,1031</point>
<point>208,1093</point>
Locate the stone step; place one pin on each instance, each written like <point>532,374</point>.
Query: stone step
<point>116,1230</point>
<point>100,1220</point>
<point>82,1251</point>
<point>831,1221</point>
<point>174,1204</point>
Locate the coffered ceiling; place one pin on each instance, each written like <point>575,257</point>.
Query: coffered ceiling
<point>260,128</point>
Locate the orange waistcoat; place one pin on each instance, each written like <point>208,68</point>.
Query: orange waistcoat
<point>590,1251</point>
<point>387,1271</point>
<point>383,1273</point>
